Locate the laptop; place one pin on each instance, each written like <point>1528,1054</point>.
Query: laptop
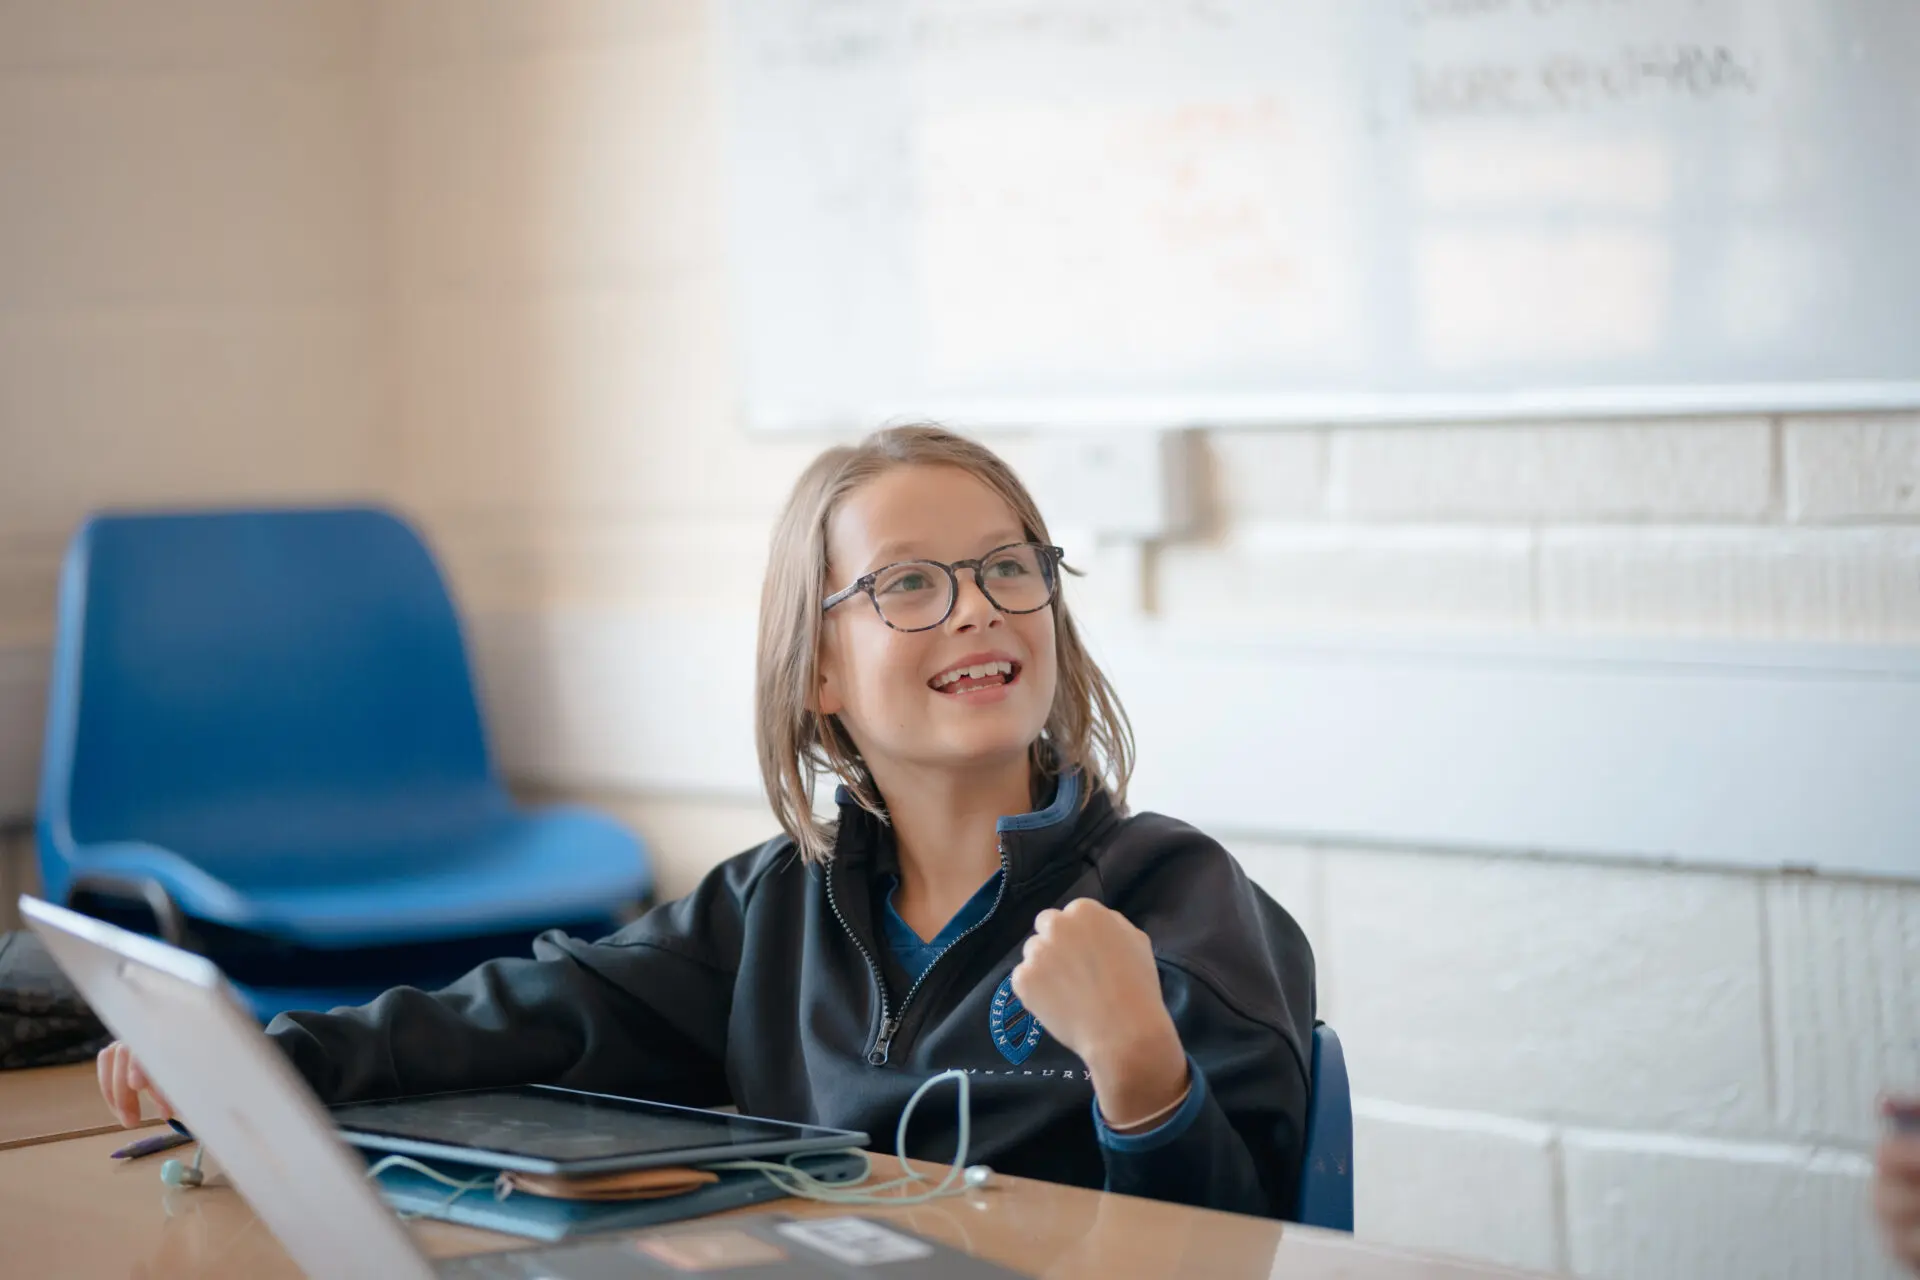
<point>278,1146</point>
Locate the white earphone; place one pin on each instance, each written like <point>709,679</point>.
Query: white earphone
<point>175,1174</point>
<point>961,1177</point>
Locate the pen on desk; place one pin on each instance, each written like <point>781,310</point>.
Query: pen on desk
<point>150,1146</point>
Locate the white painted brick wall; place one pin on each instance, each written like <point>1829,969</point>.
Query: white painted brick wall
<point>251,190</point>
<point>1643,1206</point>
<point>1664,528</point>
<point>473,373</point>
<point>1759,583</point>
<point>19,873</point>
<point>1853,468</point>
<point>1612,996</point>
<point>187,35</point>
<point>1334,576</point>
<point>188,264</point>
<point>203,404</point>
<point>1487,1186</point>
<point>596,173</point>
<point>1592,1065</point>
<point>1269,475</point>
<point>1844,959</point>
<point>504,562</point>
<point>23,704</point>
<point>29,581</point>
<point>1694,469</point>
<point>429,33</point>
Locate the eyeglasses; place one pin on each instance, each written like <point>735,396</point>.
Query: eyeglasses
<point>918,595</point>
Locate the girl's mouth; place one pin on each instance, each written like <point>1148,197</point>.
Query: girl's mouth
<point>956,681</point>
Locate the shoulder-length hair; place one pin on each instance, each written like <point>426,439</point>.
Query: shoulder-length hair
<point>1086,729</point>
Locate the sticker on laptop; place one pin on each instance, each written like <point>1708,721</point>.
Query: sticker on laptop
<point>711,1250</point>
<point>858,1242</point>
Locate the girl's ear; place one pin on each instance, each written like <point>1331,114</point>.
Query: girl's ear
<point>827,700</point>
<point>826,696</point>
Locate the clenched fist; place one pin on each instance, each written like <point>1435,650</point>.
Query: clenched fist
<point>1089,976</point>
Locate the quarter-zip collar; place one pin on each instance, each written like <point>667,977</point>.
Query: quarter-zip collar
<point>1030,843</point>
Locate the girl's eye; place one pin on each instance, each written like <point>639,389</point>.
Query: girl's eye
<point>906,581</point>
<point>1009,567</point>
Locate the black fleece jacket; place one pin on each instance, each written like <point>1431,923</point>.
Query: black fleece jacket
<point>764,988</point>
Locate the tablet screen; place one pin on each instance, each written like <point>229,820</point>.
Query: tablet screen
<point>562,1127</point>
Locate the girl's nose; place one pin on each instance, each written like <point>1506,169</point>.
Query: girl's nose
<point>971,608</point>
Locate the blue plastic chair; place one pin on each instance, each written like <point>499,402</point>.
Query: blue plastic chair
<point>1326,1174</point>
<point>263,726</point>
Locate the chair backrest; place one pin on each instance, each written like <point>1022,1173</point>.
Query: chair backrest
<point>229,682</point>
<point>1326,1173</point>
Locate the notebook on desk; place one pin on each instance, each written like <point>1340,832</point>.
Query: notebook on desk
<point>239,1094</point>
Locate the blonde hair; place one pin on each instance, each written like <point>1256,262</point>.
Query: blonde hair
<point>1086,728</point>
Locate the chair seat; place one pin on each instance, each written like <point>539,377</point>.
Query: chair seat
<point>520,870</point>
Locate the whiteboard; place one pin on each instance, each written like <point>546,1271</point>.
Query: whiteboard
<point>1153,213</point>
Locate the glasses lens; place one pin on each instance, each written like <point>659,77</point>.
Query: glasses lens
<point>913,595</point>
<point>1018,579</point>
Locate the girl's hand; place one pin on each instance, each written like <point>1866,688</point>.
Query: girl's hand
<point>1896,1188</point>
<point>1089,976</point>
<point>122,1082</point>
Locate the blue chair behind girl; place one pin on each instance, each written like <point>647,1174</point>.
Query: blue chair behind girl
<point>1326,1174</point>
<point>262,726</point>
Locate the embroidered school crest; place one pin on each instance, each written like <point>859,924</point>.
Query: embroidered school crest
<point>1015,1031</point>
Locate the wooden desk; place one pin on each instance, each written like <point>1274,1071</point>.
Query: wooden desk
<point>46,1104</point>
<point>66,1210</point>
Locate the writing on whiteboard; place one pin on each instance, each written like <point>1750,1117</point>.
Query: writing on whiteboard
<point>1022,211</point>
<point>1567,82</point>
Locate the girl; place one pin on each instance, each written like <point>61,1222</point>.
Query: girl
<point>1133,1012</point>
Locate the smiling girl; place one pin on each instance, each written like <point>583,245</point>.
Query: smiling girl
<point>1133,1012</point>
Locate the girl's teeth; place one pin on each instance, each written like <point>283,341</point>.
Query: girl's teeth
<point>1002,669</point>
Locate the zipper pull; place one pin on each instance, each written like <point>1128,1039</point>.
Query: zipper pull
<point>877,1056</point>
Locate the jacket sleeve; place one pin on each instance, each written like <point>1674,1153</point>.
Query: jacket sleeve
<point>1237,975</point>
<point>1235,1144</point>
<point>643,1012</point>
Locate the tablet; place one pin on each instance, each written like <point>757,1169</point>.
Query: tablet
<point>544,1129</point>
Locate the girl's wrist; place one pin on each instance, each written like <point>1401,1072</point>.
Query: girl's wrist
<point>1144,1078</point>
